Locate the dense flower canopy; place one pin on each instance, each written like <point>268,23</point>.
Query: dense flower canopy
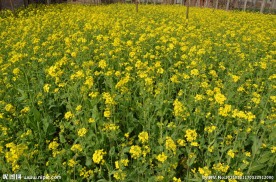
<point>103,92</point>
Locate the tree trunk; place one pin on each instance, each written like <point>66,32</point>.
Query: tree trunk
<point>239,4</point>
<point>25,3</point>
<point>217,3</point>
<point>0,5</point>
<point>244,5</point>
<point>227,5</point>
<point>235,4</point>
<point>254,3</point>
<point>273,5</point>
<point>206,3</point>
<point>187,11</point>
<point>263,6</point>
<point>12,5</point>
<point>136,4</point>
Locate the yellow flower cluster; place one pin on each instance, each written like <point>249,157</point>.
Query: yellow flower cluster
<point>76,147</point>
<point>180,110</point>
<point>82,132</point>
<point>98,156</point>
<point>210,129</point>
<point>191,135</point>
<point>170,144</point>
<point>68,115</point>
<point>14,153</point>
<point>119,175</point>
<point>143,137</point>
<point>231,153</point>
<point>204,171</point>
<point>120,163</point>
<point>135,151</point>
<point>220,167</point>
<point>162,157</point>
<point>86,173</point>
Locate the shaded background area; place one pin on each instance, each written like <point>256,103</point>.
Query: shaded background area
<point>263,6</point>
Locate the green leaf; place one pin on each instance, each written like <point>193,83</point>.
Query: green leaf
<point>24,95</point>
<point>272,160</point>
<point>243,166</point>
<point>31,124</point>
<point>264,157</point>
<point>125,150</point>
<point>272,135</point>
<point>95,112</point>
<point>61,138</point>
<point>256,167</point>
<point>37,115</point>
<point>88,161</point>
<point>255,146</point>
<point>102,180</point>
<point>112,151</point>
<point>45,125</point>
<point>190,161</point>
<point>51,129</point>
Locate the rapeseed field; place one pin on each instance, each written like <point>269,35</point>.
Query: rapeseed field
<point>103,93</point>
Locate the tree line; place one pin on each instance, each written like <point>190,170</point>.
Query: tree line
<point>244,5</point>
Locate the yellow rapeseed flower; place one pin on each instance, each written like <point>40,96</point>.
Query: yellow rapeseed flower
<point>162,157</point>
<point>273,149</point>
<point>82,132</point>
<point>10,108</point>
<point>68,115</point>
<point>231,153</point>
<point>119,175</point>
<point>170,145</point>
<point>98,156</point>
<point>135,151</point>
<point>219,98</point>
<point>191,135</point>
<point>204,171</point>
<point>46,88</point>
<point>76,148</point>
<point>143,136</point>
